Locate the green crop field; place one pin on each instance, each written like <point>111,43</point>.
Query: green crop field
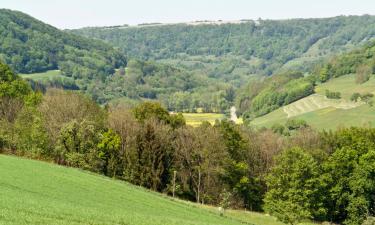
<point>323,113</point>
<point>41,76</point>
<point>34,192</point>
<point>195,119</point>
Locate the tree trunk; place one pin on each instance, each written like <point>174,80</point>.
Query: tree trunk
<point>199,185</point>
<point>174,182</point>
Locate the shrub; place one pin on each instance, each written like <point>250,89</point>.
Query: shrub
<point>333,95</point>
<point>355,97</point>
<point>363,73</point>
<point>296,124</point>
<point>367,97</point>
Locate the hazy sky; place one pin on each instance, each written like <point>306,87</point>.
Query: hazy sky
<point>80,13</point>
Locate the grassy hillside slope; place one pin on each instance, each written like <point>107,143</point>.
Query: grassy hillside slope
<point>35,192</point>
<point>323,113</point>
<point>40,193</point>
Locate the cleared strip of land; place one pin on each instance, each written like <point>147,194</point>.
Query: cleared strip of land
<point>317,102</point>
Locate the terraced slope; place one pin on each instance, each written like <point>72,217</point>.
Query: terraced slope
<point>316,102</point>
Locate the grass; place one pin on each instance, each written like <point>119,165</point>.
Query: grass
<point>346,86</point>
<point>41,76</point>
<point>316,102</point>
<point>34,192</point>
<point>331,118</point>
<point>323,113</point>
<point>257,218</point>
<point>195,119</point>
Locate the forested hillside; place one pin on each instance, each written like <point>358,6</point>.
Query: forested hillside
<point>266,44</point>
<point>31,46</point>
<point>225,62</point>
<point>177,88</point>
<point>56,58</point>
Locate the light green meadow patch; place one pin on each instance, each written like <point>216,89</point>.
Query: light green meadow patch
<point>41,76</point>
<point>346,86</point>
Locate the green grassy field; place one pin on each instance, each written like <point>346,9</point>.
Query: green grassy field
<point>34,192</point>
<point>346,86</point>
<point>323,113</point>
<point>41,76</point>
<point>257,218</point>
<point>40,193</point>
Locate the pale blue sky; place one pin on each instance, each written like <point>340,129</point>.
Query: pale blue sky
<point>80,13</point>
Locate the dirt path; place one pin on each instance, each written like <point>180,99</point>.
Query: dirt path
<point>233,115</point>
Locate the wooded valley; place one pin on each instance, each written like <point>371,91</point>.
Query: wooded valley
<point>110,100</point>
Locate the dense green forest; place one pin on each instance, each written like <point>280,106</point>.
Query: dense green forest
<point>229,59</point>
<point>177,88</point>
<point>360,62</point>
<point>272,43</point>
<point>296,176</point>
<point>30,46</point>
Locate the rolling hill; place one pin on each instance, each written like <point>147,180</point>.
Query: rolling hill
<point>36,192</point>
<point>255,47</point>
<point>41,193</point>
<point>31,46</point>
<point>59,58</point>
<point>323,113</point>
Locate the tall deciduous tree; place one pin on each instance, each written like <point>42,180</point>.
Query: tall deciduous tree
<point>293,187</point>
<point>199,162</point>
